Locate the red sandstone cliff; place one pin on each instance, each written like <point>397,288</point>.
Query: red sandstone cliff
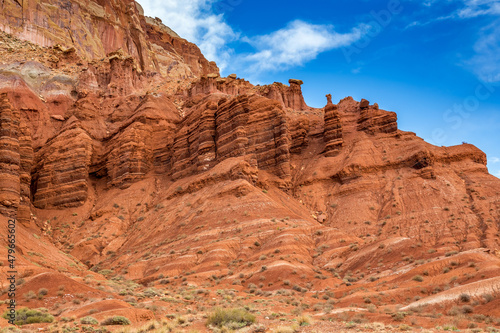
<point>96,28</point>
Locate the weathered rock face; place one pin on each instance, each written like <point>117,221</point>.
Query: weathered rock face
<point>26,165</point>
<point>289,96</point>
<point>9,158</point>
<point>299,130</point>
<point>16,157</point>
<point>124,78</point>
<point>130,155</point>
<point>255,126</point>
<point>62,169</point>
<point>220,128</point>
<point>372,120</point>
<point>110,124</point>
<point>94,29</point>
<point>175,57</point>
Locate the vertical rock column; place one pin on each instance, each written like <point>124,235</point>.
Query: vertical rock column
<point>294,97</point>
<point>333,129</point>
<point>207,150</point>
<point>25,163</point>
<point>9,158</point>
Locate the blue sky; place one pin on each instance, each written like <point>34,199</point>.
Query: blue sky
<point>435,62</point>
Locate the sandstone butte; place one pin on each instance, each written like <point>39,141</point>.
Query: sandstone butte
<point>147,186</point>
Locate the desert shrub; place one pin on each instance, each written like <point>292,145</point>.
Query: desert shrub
<point>398,316</point>
<point>29,295</point>
<point>464,297</point>
<point>106,272</point>
<point>43,291</point>
<point>29,316</point>
<point>233,317</point>
<point>304,320</point>
<point>116,320</point>
<point>418,278</point>
<point>488,298</point>
<point>151,292</point>
<point>467,309</point>
<point>89,321</point>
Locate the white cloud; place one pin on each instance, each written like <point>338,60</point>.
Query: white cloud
<point>469,8</point>
<point>474,8</point>
<point>486,61</point>
<point>296,44</point>
<point>494,160</point>
<point>195,21</point>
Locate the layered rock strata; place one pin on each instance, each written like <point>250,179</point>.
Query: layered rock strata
<point>333,128</point>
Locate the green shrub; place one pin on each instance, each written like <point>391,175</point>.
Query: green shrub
<point>89,321</point>
<point>116,320</point>
<point>29,316</point>
<point>233,317</point>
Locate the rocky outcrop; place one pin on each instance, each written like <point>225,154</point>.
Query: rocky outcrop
<point>212,83</point>
<point>218,129</point>
<point>123,75</point>
<point>175,57</point>
<point>194,146</point>
<point>255,126</point>
<point>373,120</point>
<point>289,96</point>
<point>299,133</point>
<point>61,169</point>
<point>205,85</point>
<point>129,156</point>
<point>333,129</point>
